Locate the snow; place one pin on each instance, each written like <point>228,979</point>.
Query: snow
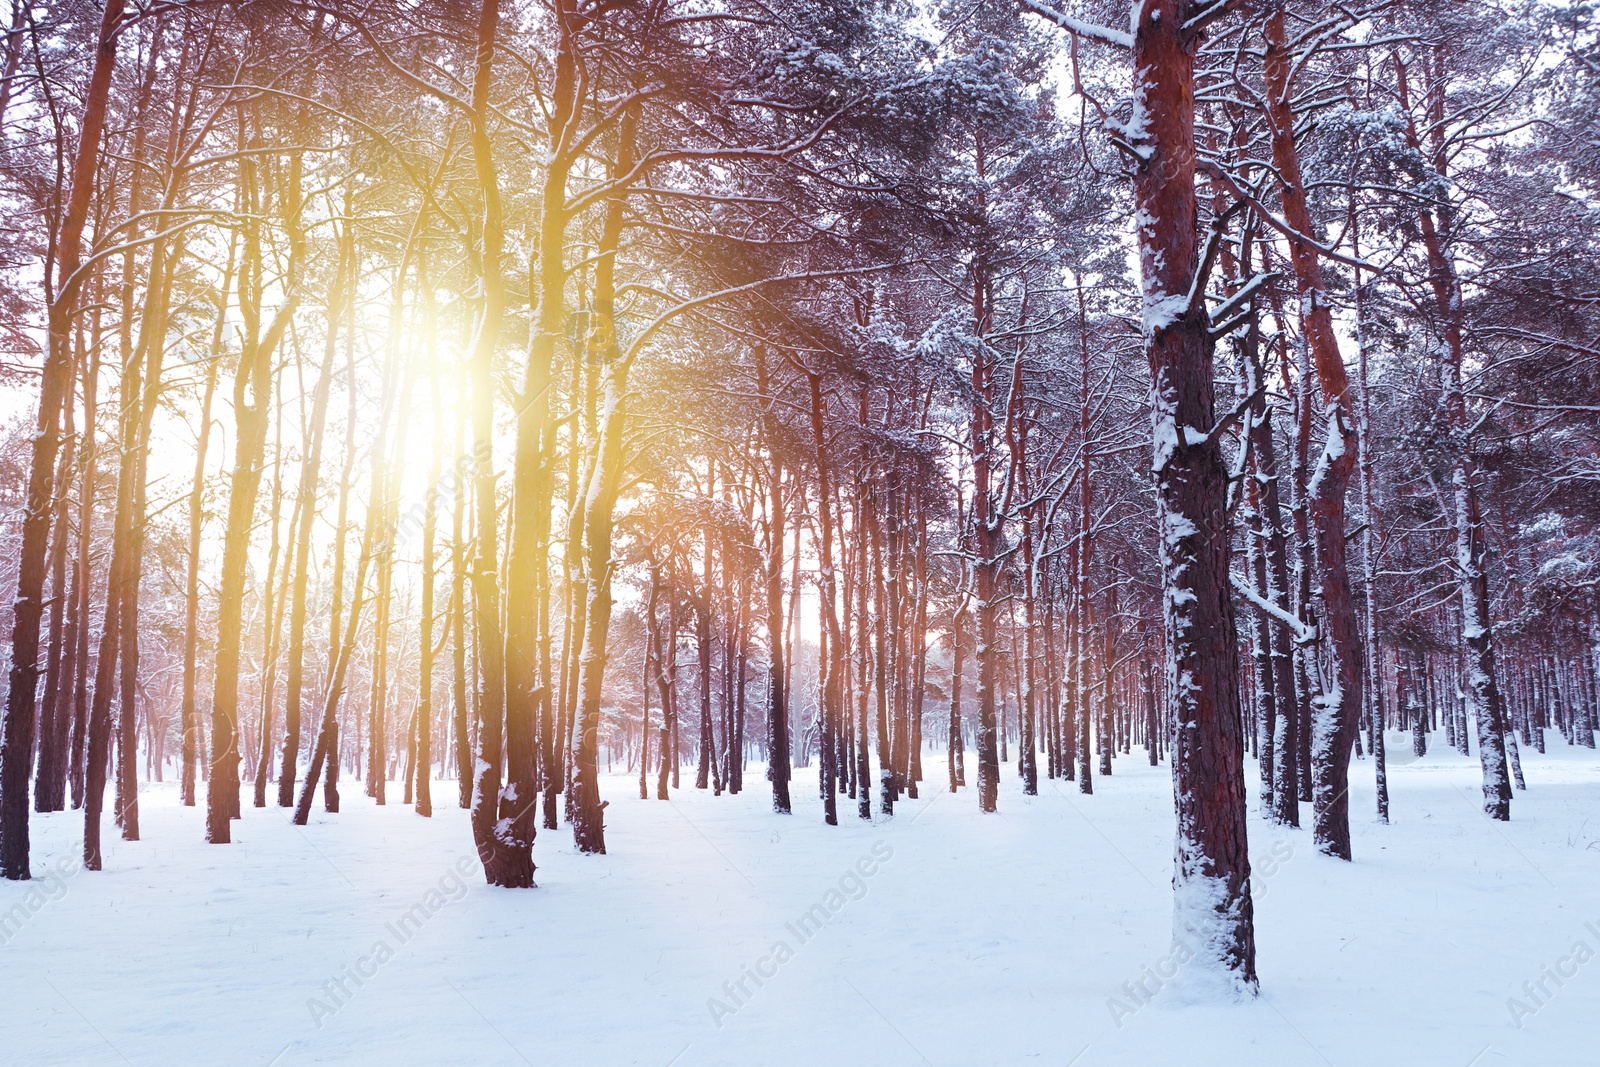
<point>1175,526</point>
<point>715,932</point>
<point>1137,129</point>
<point>1166,438</point>
<point>1161,311</point>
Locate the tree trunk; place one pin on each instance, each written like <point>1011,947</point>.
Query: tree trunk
<point>310,473</point>
<point>83,581</point>
<point>1213,911</point>
<point>253,379</point>
<point>505,846</point>
<point>1335,721</point>
<point>16,732</point>
<point>778,755</point>
<point>1482,690</point>
<point>50,774</point>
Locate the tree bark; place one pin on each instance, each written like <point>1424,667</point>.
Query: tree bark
<point>1336,717</point>
<point>778,755</point>
<point>16,732</point>
<point>1213,911</point>
<point>253,380</point>
<point>310,473</point>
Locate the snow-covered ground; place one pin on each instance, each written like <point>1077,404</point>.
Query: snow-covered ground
<point>938,937</point>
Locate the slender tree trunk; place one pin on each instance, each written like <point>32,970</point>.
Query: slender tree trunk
<point>1369,565</point>
<point>114,633</point>
<point>326,751</point>
<point>1337,715</point>
<point>987,520</point>
<point>50,773</point>
<point>599,505</point>
<point>276,598</point>
<point>1482,690</point>
<point>458,638</point>
<point>310,473</point>
<point>83,576</point>
<point>778,755</point>
<point>831,655</point>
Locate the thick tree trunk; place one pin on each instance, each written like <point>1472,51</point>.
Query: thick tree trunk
<point>505,845</point>
<point>253,379</point>
<point>1213,911</point>
<point>17,729</point>
<point>527,562</point>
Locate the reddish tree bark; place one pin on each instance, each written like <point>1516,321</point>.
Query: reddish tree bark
<point>16,732</point>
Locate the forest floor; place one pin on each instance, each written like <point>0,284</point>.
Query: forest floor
<point>1016,938</point>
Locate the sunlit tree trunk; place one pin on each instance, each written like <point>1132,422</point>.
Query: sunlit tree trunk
<point>533,463</point>
<point>252,391</point>
<point>191,582</point>
<point>458,633</point>
<point>310,474</point>
<point>83,577</point>
<point>505,846</point>
<point>275,598</point>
